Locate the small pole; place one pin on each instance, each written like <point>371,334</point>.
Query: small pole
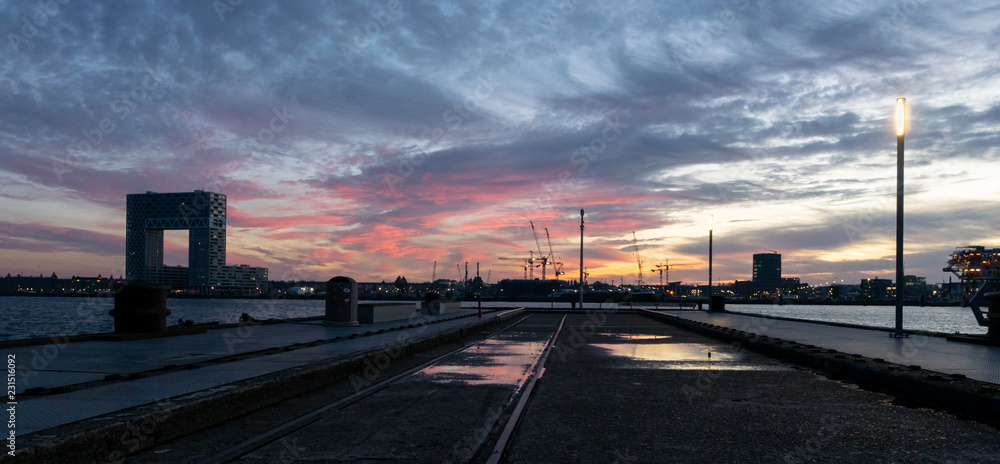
<point>581,258</point>
<point>711,226</point>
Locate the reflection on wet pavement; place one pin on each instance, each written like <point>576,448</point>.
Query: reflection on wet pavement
<point>666,352</point>
<point>495,361</point>
<point>644,351</point>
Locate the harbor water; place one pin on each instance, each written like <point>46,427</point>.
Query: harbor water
<point>33,317</point>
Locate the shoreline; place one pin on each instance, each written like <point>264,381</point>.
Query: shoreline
<point>621,301</point>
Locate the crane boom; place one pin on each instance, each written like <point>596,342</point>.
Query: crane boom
<point>556,265</point>
<point>544,258</point>
<point>635,241</point>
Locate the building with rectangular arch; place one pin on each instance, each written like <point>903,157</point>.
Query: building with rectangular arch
<point>203,215</point>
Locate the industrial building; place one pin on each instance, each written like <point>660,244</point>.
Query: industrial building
<point>203,215</point>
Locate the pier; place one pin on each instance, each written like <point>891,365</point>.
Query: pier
<point>514,385</point>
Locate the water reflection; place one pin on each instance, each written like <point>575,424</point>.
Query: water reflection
<point>644,351</point>
<point>666,352</point>
<point>495,361</point>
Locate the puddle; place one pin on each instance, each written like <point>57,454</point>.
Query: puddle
<point>666,352</point>
<point>493,362</point>
<point>675,356</point>
<point>639,337</point>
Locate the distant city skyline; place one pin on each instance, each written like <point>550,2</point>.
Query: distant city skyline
<point>371,139</point>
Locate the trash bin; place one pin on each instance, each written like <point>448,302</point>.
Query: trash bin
<point>718,304</point>
<point>140,307</point>
<point>341,302</point>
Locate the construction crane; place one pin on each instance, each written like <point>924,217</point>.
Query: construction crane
<point>542,256</point>
<point>661,268</point>
<point>635,241</point>
<point>556,265</point>
<point>664,270</point>
<point>526,263</point>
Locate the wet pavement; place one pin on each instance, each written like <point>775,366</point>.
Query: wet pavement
<point>441,413</point>
<point>934,353</point>
<point>617,388</point>
<point>140,372</point>
<point>628,389</point>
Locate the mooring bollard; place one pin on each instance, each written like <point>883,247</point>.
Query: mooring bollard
<point>140,307</point>
<point>341,302</point>
<point>993,315</point>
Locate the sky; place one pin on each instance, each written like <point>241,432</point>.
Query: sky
<point>373,139</point>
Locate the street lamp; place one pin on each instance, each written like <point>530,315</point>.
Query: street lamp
<point>900,286</point>
<point>711,226</point>
<point>581,258</point>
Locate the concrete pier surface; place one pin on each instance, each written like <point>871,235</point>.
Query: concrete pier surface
<point>70,393</point>
<point>616,386</point>
<point>930,352</point>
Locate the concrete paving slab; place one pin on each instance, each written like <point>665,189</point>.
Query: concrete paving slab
<point>55,379</point>
<point>65,408</point>
<point>39,365</point>
<point>933,353</point>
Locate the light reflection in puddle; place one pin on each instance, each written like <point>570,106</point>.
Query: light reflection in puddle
<point>678,356</point>
<point>665,352</point>
<point>628,336</point>
<point>496,362</point>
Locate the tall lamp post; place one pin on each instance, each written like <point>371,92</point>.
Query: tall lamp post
<point>581,258</point>
<point>900,284</point>
<point>711,220</point>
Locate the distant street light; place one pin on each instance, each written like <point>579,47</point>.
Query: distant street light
<point>900,285</point>
<point>711,225</point>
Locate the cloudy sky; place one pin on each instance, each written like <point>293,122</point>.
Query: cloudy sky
<point>371,139</point>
